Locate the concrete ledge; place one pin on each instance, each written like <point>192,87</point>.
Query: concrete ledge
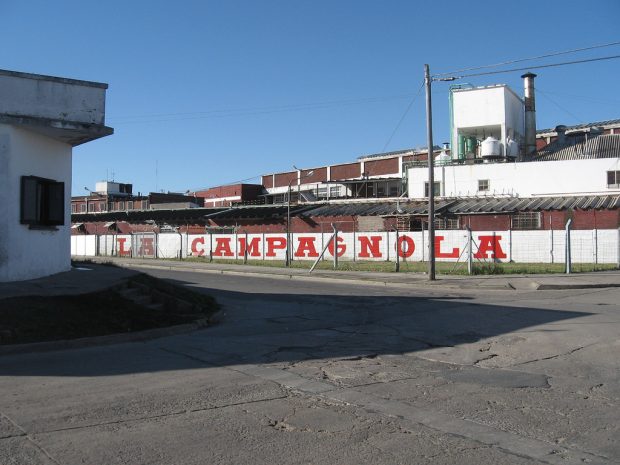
<point>109,339</point>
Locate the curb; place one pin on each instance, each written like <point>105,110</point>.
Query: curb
<point>109,339</point>
<point>358,281</point>
<point>559,287</point>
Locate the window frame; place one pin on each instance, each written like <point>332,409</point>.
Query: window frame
<point>613,175</point>
<point>526,220</point>
<point>484,185</point>
<point>42,202</point>
<point>436,189</point>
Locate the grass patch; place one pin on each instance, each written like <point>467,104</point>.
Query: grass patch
<point>28,319</point>
<point>450,268</point>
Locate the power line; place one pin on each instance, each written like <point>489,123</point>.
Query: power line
<point>550,65</point>
<point>520,60</point>
<point>255,110</point>
<point>572,115</point>
<point>402,118</point>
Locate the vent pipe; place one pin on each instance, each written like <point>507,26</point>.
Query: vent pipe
<point>561,132</point>
<point>530,113</point>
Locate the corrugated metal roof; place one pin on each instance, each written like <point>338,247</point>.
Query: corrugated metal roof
<point>611,122</point>
<point>604,146</point>
<point>445,206</point>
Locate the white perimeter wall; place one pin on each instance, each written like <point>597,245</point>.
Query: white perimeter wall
<point>570,177</point>
<point>27,253</point>
<point>587,246</point>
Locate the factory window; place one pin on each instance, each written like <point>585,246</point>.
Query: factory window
<point>321,193</point>
<point>394,190</point>
<point>279,198</point>
<point>91,207</point>
<point>121,205</point>
<point>145,205</point>
<point>613,179</point>
<point>42,202</point>
<point>483,185</point>
<point>82,208</point>
<point>526,220</point>
<point>74,208</point>
<point>101,206</point>
<point>446,223</point>
<point>130,205</point>
<point>436,188</point>
<point>334,191</point>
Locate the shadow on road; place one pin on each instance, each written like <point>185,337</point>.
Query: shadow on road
<point>291,327</point>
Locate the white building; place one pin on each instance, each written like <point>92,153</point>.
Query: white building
<point>583,176</point>
<point>41,119</point>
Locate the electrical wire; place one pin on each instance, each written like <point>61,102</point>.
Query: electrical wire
<point>402,118</point>
<point>550,65</point>
<point>252,111</point>
<point>572,115</point>
<point>520,60</point>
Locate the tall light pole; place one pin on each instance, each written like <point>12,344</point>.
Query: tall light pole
<point>288,213</point>
<point>431,176</point>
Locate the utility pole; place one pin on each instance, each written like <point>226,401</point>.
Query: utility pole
<point>431,177</point>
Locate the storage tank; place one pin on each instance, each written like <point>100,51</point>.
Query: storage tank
<point>444,157</point>
<point>512,148</point>
<point>490,148</point>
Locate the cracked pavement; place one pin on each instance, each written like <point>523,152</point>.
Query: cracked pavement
<point>311,373</point>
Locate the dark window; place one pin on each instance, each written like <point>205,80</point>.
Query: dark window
<point>436,188</point>
<point>483,184</point>
<point>526,220</point>
<point>446,223</point>
<point>613,179</point>
<point>42,201</point>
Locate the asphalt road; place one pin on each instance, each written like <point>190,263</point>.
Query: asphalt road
<point>303,372</point>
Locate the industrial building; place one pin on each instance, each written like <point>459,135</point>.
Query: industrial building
<point>501,177</point>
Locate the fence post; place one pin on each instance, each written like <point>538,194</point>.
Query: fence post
<point>397,268</point>
<point>596,246</point>
<point>210,246</point>
<point>568,251</point>
<point>245,250</point>
<point>470,252</point>
<point>335,247</point>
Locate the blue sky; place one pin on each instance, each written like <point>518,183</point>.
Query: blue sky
<point>204,93</point>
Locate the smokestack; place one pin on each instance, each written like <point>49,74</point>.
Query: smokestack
<point>530,113</point>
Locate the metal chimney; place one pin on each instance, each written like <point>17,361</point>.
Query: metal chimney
<point>530,113</point>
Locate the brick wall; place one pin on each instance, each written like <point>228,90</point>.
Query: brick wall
<point>319,175</point>
<point>346,171</point>
<point>282,179</point>
<point>382,167</point>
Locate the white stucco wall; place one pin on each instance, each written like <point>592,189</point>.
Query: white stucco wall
<point>570,177</point>
<point>587,246</point>
<point>27,253</point>
<point>23,94</point>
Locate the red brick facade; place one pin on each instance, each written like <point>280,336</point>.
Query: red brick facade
<point>382,167</point>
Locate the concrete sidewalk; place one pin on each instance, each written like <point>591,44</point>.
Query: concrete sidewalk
<point>95,276</point>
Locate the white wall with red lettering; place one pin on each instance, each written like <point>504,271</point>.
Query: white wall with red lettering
<point>27,253</point>
<point>587,246</point>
